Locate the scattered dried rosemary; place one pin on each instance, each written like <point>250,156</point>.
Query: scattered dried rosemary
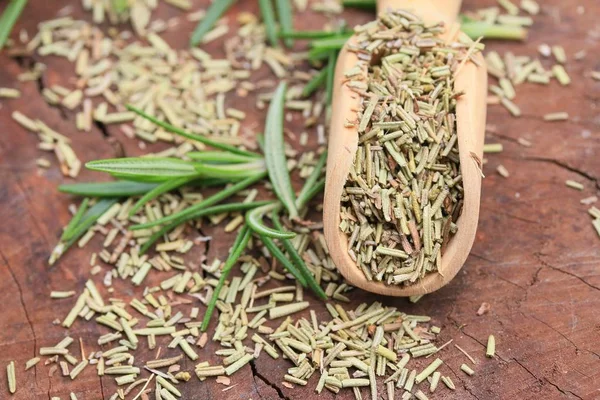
<point>404,192</point>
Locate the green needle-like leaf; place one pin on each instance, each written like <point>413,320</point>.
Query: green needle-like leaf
<point>268,17</point>
<point>232,172</point>
<point>220,209</point>
<point>239,246</point>
<point>332,43</point>
<point>164,187</point>
<point>275,153</point>
<point>214,199</point>
<point>307,34</point>
<point>298,262</point>
<point>277,254</point>
<point>9,18</point>
<point>315,83</point>
<point>86,222</point>
<point>366,4</point>
<point>108,189</point>
<point>153,167</point>
<point>254,220</point>
<point>69,229</point>
<point>214,12</point>
<point>198,138</point>
<point>286,23</point>
<point>219,157</point>
<point>309,185</point>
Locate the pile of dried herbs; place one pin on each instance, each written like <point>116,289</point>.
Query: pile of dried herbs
<point>404,191</point>
<point>159,94</point>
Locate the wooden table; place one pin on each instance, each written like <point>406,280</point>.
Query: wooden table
<point>535,259</point>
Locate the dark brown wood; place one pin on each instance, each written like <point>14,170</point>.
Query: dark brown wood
<point>535,259</point>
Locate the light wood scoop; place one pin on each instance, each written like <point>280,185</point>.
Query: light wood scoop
<point>343,142</point>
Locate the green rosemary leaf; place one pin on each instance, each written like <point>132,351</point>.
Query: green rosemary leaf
<point>366,4</point>
<point>330,76</point>
<point>86,222</point>
<point>286,22</point>
<point>75,220</point>
<point>222,195</point>
<point>254,221</point>
<point>198,138</point>
<point>164,187</point>
<point>223,208</point>
<point>307,34</point>
<point>89,218</point>
<point>214,12</point>
<point>318,54</point>
<point>299,262</point>
<point>9,17</point>
<point>277,254</point>
<point>108,189</point>
<point>275,153</point>
<point>315,83</point>
<point>311,192</point>
<point>331,43</point>
<point>268,16</point>
<point>231,172</point>
<point>152,167</point>
<point>310,183</point>
<point>218,157</point>
<point>477,29</point>
<point>238,247</point>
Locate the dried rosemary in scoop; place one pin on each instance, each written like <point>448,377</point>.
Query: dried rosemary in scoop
<point>404,191</point>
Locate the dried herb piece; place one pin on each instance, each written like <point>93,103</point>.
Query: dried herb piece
<point>238,247</point>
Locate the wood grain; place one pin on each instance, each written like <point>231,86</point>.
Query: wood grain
<point>535,258</point>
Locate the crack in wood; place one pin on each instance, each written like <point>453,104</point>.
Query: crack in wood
<point>25,313</point>
<point>568,167</point>
<point>550,266</point>
<point>565,392</point>
<point>258,375</point>
<point>577,349</point>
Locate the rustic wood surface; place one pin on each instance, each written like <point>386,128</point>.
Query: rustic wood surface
<point>535,259</point>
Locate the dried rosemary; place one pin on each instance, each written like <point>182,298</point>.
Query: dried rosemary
<point>404,191</point>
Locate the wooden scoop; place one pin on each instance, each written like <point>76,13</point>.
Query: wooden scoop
<point>343,141</point>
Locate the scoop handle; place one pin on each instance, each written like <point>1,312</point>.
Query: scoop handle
<point>430,10</point>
